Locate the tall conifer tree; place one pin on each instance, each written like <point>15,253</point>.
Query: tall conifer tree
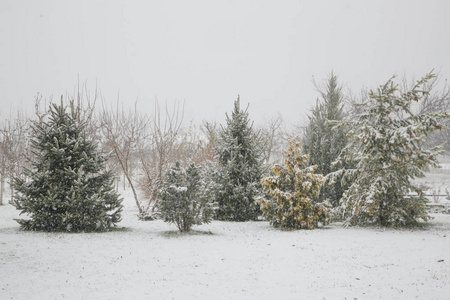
<point>68,188</point>
<point>239,154</point>
<point>324,143</point>
<point>387,141</point>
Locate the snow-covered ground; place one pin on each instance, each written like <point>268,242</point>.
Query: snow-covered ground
<point>224,260</point>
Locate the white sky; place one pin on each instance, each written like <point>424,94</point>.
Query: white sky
<point>207,52</point>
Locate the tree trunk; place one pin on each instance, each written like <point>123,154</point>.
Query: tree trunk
<point>155,193</point>
<point>2,188</point>
<point>130,183</point>
<point>11,187</point>
<point>154,198</point>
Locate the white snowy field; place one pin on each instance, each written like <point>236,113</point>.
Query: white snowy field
<point>224,260</point>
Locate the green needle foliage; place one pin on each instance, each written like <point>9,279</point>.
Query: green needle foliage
<point>183,198</point>
<point>324,143</point>
<point>239,154</point>
<point>387,140</point>
<point>67,188</point>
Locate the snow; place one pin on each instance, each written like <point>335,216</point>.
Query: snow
<point>438,183</point>
<point>224,260</point>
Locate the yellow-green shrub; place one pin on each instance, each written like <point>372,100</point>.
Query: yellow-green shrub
<point>292,191</point>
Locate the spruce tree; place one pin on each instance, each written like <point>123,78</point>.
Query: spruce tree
<point>387,140</point>
<point>323,142</point>
<point>183,199</point>
<point>239,155</point>
<point>67,188</point>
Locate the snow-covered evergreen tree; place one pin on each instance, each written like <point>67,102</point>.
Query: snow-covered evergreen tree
<point>183,198</point>
<point>324,143</point>
<point>67,188</point>
<point>387,141</point>
<point>239,154</point>
<point>292,192</point>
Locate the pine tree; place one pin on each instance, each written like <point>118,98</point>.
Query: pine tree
<point>68,188</point>
<point>324,143</point>
<point>292,193</point>
<point>387,139</point>
<point>183,199</point>
<point>239,154</point>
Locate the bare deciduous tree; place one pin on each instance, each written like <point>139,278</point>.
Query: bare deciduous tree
<point>145,148</point>
<point>161,150</point>
<point>85,102</point>
<point>435,102</point>
<point>14,149</point>
<point>273,136</point>
<point>123,133</point>
<point>211,132</point>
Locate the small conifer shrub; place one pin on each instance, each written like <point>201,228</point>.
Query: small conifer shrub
<point>183,198</point>
<point>292,192</point>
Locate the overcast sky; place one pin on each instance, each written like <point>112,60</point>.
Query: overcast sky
<point>207,52</point>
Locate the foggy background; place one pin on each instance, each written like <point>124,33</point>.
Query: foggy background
<point>205,53</point>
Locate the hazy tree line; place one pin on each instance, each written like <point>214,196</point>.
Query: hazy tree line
<point>144,146</point>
